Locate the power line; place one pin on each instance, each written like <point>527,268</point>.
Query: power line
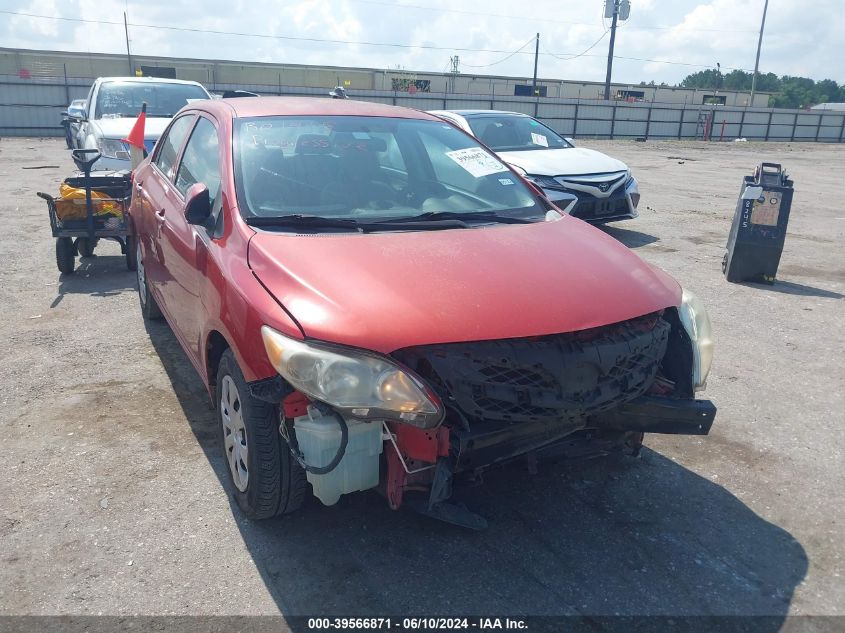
<point>504,59</point>
<point>346,42</point>
<point>544,20</point>
<point>576,56</point>
<point>467,12</point>
<point>261,35</point>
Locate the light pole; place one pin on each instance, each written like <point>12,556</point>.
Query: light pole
<point>759,44</point>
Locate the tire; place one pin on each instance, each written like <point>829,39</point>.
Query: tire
<point>85,247</point>
<point>65,255</point>
<point>149,307</point>
<point>131,253</point>
<point>269,482</point>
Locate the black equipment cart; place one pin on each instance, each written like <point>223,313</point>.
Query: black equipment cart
<point>107,196</point>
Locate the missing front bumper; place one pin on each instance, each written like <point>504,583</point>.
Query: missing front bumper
<point>498,442</point>
<point>648,414</point>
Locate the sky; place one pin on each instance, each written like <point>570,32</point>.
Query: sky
<point>662,41</point>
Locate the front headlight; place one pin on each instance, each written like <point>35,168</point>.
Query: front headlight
<point>697,325</point>
<point>546,182</point>
<point>357,383</point>
<point>111,148</point>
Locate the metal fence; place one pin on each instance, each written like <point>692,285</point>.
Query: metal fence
<point>33,108</point>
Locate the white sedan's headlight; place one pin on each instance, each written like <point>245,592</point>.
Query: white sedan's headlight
<point>359,384</point>
<point>697,325</point>
<point>112,148</point>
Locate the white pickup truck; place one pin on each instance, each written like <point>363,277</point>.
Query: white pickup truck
<point>113,105</point>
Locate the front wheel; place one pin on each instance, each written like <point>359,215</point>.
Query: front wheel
<point>267,479</point>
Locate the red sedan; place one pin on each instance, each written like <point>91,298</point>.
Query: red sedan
<point>374,300</point>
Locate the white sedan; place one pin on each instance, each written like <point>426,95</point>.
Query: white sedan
<point>583,182</point>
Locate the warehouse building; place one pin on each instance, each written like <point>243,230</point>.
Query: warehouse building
<point>71,66</point>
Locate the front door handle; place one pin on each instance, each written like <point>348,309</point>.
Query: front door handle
<point>160,213</point>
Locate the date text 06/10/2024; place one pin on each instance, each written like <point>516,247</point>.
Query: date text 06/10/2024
<point>416,624</point>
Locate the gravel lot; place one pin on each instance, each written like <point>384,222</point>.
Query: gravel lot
<point>114,503</point>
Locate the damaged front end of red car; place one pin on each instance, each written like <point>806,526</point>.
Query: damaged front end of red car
<point>582,394</point>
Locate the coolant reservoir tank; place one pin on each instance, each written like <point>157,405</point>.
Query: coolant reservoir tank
<point>318,436</point>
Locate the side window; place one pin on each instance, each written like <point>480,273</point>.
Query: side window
<point>200,160</point>
<point>168,146</point>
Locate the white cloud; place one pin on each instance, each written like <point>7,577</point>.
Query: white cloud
<point>797,41</point>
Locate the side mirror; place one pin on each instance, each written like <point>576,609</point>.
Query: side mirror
<point>64,113</point>
<point>197,204</point>
<point>569,140</point>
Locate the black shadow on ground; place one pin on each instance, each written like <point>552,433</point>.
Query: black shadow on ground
<point>792,288</point>
<point>631,239</point>
<point>97,276</point>
<point>644,537</point>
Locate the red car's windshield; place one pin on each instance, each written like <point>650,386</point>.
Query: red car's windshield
<point>369,168</point>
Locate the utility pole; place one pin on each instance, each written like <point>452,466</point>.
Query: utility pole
<point>534,81</point>
<point>616,10</point>
<point>128,54</point>
<point>610,50</point>
<point>759,44</point>
<point>455,70</point>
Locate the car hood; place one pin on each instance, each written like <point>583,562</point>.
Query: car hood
<point>574,161</point>
<point>386,291</point>
<point>120,128</point>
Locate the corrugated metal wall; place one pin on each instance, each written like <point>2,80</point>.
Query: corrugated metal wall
<point>32,107</point>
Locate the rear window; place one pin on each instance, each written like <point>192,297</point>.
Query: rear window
<point>508,133</point>
<point>369,168</point>
<point>124,98</point>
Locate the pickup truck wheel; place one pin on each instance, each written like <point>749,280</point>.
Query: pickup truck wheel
<point>267,480</point>
<point>149,307</point>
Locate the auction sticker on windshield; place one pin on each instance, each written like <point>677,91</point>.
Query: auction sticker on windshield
<point>539,139</point>
<point>476,161</point>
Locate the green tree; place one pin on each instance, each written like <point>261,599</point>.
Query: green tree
<point>738,80</point>
<point>791,92</point>
<point>709,79</point>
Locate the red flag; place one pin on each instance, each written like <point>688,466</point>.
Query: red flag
<point>136,136</point>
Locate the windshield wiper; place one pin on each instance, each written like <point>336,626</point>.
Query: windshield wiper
<point>318,222</point>
<point>298,219</point>
<point>463,216</point>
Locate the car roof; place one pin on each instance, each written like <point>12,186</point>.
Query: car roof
<point>305,106</point>
<point>141,80</point>
<point>473,113</point>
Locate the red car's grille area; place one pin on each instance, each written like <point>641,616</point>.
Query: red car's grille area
<point>564,377</point>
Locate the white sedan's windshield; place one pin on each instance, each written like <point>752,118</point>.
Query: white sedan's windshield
<point>367,168</point>
<point>512,133</point>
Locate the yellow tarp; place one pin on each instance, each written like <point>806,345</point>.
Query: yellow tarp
<point>71,204</point>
